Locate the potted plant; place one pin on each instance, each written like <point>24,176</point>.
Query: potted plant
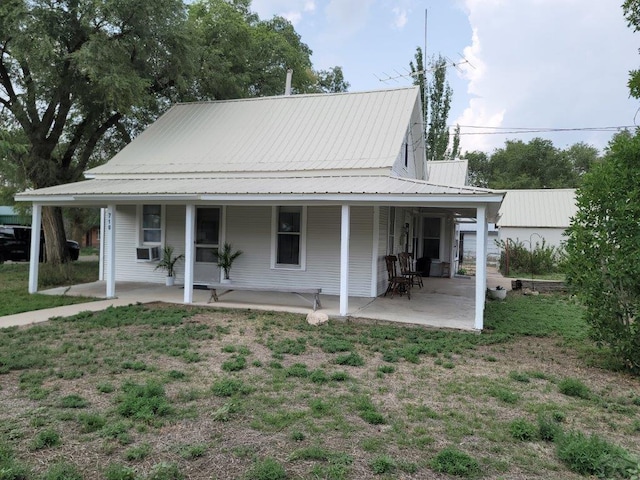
<point>498,293</point>
<point>225,258</point>
<point>168,263</point>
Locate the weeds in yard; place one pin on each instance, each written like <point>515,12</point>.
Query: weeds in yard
<point>573,387</point>
<point>454,462</point>
<point>62,471</point>
<point>134,362</point>
<point>145,402</point>
<point>591,455</point>
<point>46,439</point>
<point>266,469</point>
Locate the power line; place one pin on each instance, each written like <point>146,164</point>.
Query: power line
<point>519,130</point>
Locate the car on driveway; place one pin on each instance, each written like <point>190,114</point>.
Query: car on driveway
<point>15,244</point>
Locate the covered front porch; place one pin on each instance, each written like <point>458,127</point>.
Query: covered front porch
<point>440,303</point>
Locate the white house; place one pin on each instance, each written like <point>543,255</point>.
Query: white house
<point>314,189</point>
<point>529,216</point>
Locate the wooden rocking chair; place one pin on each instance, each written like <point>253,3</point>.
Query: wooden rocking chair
<point>397,283</point>
<point>405,269</point>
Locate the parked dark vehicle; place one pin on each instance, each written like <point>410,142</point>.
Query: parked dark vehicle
<point>15,244</point>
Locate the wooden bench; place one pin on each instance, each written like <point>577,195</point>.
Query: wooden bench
<point>214,287</point>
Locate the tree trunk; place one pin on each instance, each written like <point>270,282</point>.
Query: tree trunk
<point>54,235</point>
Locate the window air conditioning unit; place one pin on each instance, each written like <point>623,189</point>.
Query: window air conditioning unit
<point>147,254</point>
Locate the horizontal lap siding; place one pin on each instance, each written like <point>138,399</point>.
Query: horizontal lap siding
<point>249,229</point>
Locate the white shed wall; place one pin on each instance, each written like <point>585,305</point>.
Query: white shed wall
<point>553,236</point>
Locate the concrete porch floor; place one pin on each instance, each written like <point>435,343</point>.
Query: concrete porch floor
<point>440,303</point>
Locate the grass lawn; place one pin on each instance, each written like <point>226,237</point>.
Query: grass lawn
<point>14,278</point>
<point>167,392</point>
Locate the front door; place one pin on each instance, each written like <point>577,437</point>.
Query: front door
<point>207,242</point>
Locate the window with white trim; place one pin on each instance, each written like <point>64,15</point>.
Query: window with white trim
<point>151,224</point>
<point>289,242</point>
<point>392,231</point>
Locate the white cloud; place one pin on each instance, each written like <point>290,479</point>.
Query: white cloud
<point>292,10</point>
<point>546,63</point>
<point>400,17</point>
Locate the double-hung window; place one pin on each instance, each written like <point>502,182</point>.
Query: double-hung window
<point>151,224</point>
<point>289,237</point>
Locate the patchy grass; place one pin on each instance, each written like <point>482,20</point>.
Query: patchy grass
<point>14,280</point>
<point>163,391</point>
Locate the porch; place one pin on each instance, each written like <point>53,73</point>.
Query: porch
<point>440,303</point>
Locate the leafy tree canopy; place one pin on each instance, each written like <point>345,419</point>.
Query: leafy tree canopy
<point>603,248</point>
<point>536,164</point>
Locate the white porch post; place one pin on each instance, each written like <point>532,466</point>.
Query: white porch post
<point>374,251</point>
<point>481,265</point>
<point>189,235</point>
<point>111,250</point>
<point>101,251</point>
<point>344,261</point>
<point>34,258</point>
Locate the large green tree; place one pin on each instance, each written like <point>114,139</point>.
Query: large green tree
<point>436,102</point>
<point>603,248</point>
<point>79,78</point>
<point>71,71</point>
<point>534,164</point>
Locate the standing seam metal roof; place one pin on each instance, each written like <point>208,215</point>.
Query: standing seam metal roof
<point>293,133</point>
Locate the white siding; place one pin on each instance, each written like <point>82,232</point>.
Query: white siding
<point>382,249</point>
<point>249,229</point>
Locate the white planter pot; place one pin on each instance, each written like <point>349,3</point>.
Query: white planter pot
<point>225,281</point>
<point>497,294</point>
<point>170,281</point>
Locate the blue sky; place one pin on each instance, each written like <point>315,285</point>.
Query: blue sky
<point>521,63</point>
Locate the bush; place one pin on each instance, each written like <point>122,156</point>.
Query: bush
<point>536,259</point>
<point>603,249</point>
<point>454,462</point>
<point>591,455</point>
<point>522,429</point>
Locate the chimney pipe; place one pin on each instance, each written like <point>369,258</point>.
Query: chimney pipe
<point>287,88</point>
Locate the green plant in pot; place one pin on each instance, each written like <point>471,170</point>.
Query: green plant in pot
<point>168,263</point>
<point>225,258</point>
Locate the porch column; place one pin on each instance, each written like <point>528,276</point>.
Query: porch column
<point>374,251</point>
<point>481,265</point>
<point>189,235</point>
<point>101,251</point>
<point>110,273</point>
<point>344,260</point>
<point>34,258</point>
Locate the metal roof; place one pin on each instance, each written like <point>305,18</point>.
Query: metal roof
<point>339,185</point>
<point>361,130</point>
<point>552,208</point>
<point>448,172</point>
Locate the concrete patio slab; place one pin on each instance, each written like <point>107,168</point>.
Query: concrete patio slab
<point>441,303</point>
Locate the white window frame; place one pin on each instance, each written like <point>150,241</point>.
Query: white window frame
<point>163,219</point>
<point>303,239</point>
<point>391,231</point>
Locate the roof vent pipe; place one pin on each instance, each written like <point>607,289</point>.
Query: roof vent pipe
<point>287,88</point>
